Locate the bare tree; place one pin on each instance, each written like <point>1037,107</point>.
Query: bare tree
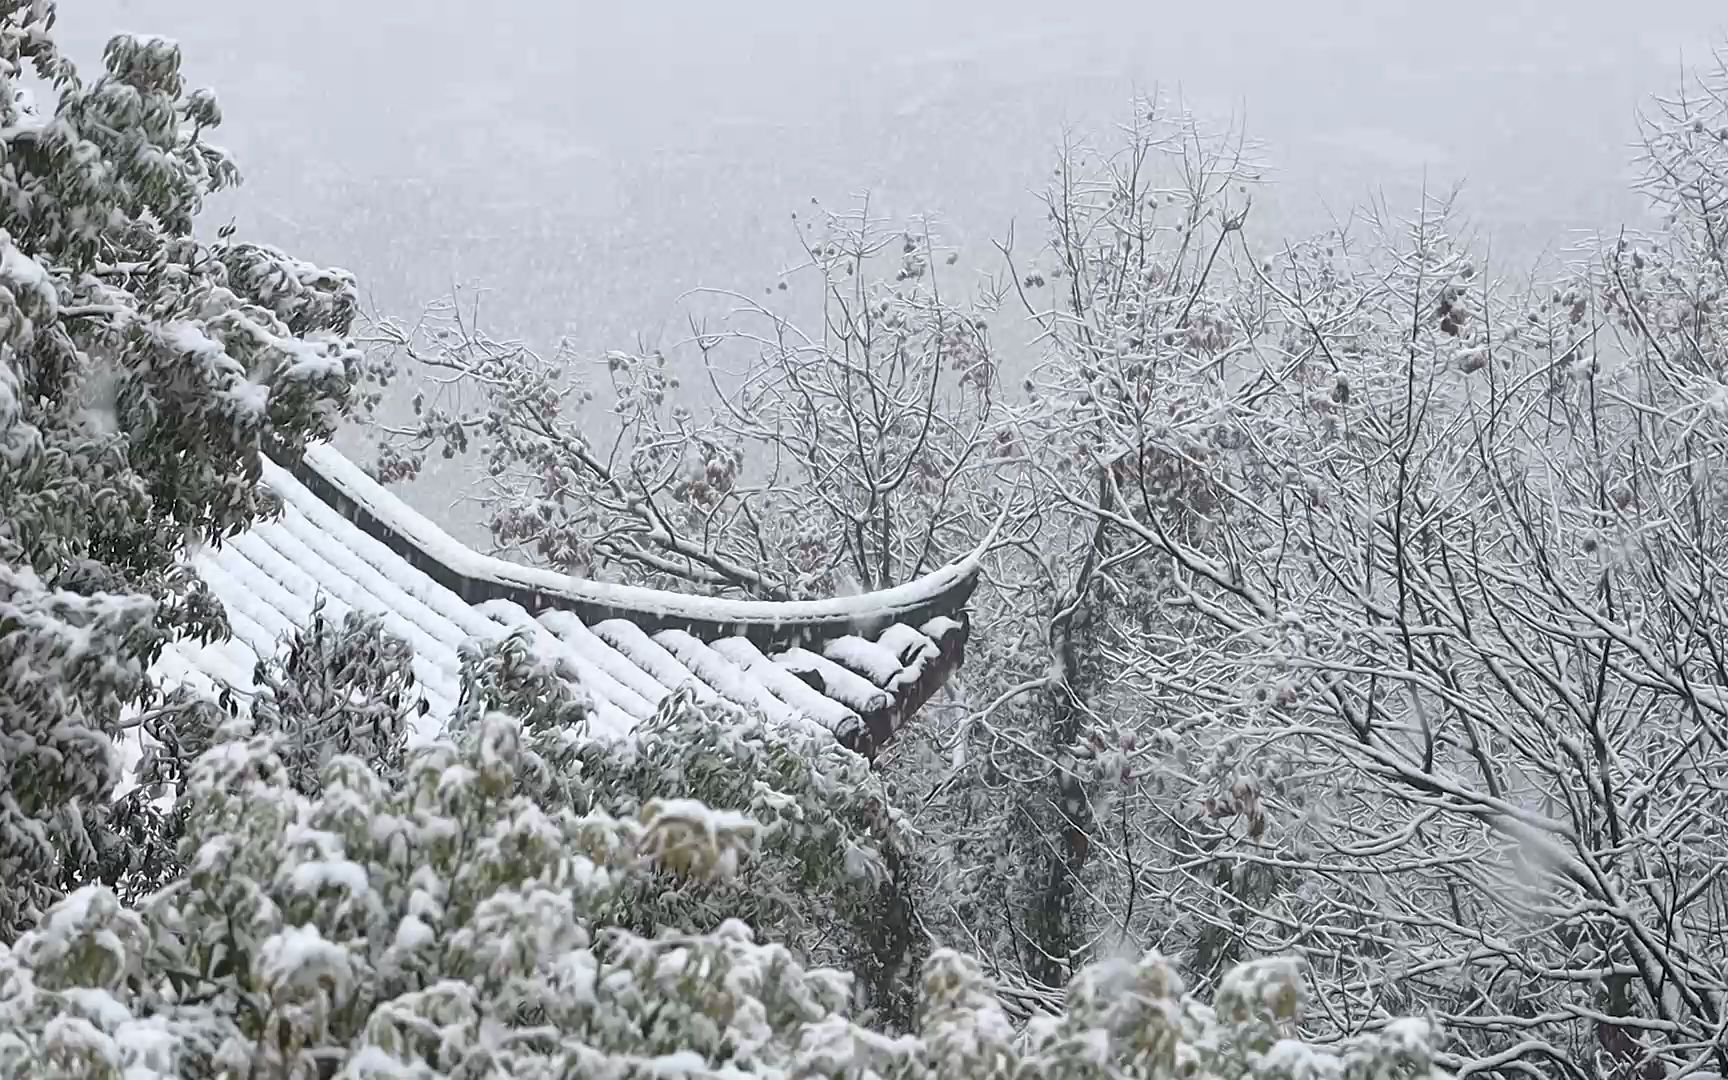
<point>1448,713</point>
<point>829,460</point>
<point>1125,286</point>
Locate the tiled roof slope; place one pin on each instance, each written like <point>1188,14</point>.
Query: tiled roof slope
<point>856,666</point>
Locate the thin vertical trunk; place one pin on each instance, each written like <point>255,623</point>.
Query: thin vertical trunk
<point>1055,920</point>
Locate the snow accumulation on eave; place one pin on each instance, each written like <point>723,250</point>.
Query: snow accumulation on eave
<point>873,607</point>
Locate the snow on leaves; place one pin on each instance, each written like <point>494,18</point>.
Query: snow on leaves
<point>446,924</point>
<point>142,373</point>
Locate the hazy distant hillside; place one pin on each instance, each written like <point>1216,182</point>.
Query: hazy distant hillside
<point>593,167</point>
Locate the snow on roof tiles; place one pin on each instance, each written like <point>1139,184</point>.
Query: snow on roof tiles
<point>856,666</point>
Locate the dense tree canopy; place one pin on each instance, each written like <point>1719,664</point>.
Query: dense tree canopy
<point>448,924</point>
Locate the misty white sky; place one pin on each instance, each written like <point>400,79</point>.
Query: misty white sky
<point>591,161</point>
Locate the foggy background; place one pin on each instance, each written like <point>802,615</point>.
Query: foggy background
<point>589,162</point>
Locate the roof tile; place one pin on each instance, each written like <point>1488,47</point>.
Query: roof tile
<point>855,666</point>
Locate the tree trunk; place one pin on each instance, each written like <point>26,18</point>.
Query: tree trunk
<point>1054,923</point>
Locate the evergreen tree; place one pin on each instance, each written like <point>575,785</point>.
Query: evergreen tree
<point>143,372</point>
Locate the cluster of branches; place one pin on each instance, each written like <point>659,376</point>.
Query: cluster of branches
<point>853,456</point>
<point>1355,600</point>
<point>1459,607</point>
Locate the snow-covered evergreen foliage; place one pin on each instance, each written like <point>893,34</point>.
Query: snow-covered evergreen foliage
<point>142,372</point>
<point>447,923</point>
<point>331,690</point>
<point>828,879</point>
<point>339,689</point>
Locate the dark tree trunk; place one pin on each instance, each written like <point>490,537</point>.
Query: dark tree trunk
<point>1054,921</point>
<point>896,950</point>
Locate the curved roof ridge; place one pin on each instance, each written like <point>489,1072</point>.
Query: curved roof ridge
<point>333,478</point>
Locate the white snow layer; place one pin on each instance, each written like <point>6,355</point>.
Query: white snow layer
<point>882,606</point>
<point>270,579</point>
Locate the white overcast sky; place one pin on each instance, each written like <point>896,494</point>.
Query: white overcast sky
<point>591,161</point>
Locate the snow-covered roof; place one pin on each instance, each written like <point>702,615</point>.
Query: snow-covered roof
<point>857,666</point>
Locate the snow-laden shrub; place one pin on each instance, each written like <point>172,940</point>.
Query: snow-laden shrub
<point>339,688</point>
<point>446,924</point>
<point>331,689</point>
<point>142,373</point>
<point>831,850</point>
<point>829,879</point>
